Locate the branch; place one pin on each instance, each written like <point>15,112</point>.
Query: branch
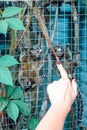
<point>55,24</point>
<point>22,36</point>
<point>75,19</point>
<point>76,34</point>
<point>44,30</point>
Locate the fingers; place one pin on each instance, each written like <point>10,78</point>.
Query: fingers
<point>62,71</point>
<point>74,85</point>
<point>49,88</point>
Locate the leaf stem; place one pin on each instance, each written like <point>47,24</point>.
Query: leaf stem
<point>13,38</point>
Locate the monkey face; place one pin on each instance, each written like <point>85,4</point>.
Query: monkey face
<point>60,51</point>
<point>36,53</point>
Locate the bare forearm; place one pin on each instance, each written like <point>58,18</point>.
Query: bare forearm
<point>62,94</point>
<point>54,118</point>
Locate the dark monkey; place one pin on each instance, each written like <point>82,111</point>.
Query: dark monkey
<point>70,62</point>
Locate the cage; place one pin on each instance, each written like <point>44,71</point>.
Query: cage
<point>51,30</point>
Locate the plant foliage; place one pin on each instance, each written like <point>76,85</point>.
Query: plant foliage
<point>12,103</point>
<point>7,61</point>
<point>11,11</point>
<point>15,24</point>
<point>7,20</point>
<point>12,111</point>
<point>5,74</point>
<point>33,122</point>
<point>3,27</point>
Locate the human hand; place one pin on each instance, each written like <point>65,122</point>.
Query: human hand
<point>62,90</point>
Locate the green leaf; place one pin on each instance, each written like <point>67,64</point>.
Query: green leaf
<point>12,111</point>
<point>15,24</point>
<point>7,60</point>
<point>33,122</point>
<point>5,76</point>
<point>9,90</point>
<point>24,129</point>
<point>17,93</point>
<point>2,99</point>
<point>22,107</point>
<point>3,103</point>
<point>3,27</point>
<point>11,11</point>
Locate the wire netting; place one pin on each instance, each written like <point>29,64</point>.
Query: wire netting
<point>63,24</point>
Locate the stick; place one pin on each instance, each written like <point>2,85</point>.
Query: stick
<point>75,19</point>
<point>40,22</point>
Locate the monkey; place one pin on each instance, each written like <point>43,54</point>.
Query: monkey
<point>65,56</point>
<point>68,54</point>
<point>28,77</point>
<point>71,65</point>
<point>71,62</point>
<point>31,62</point>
